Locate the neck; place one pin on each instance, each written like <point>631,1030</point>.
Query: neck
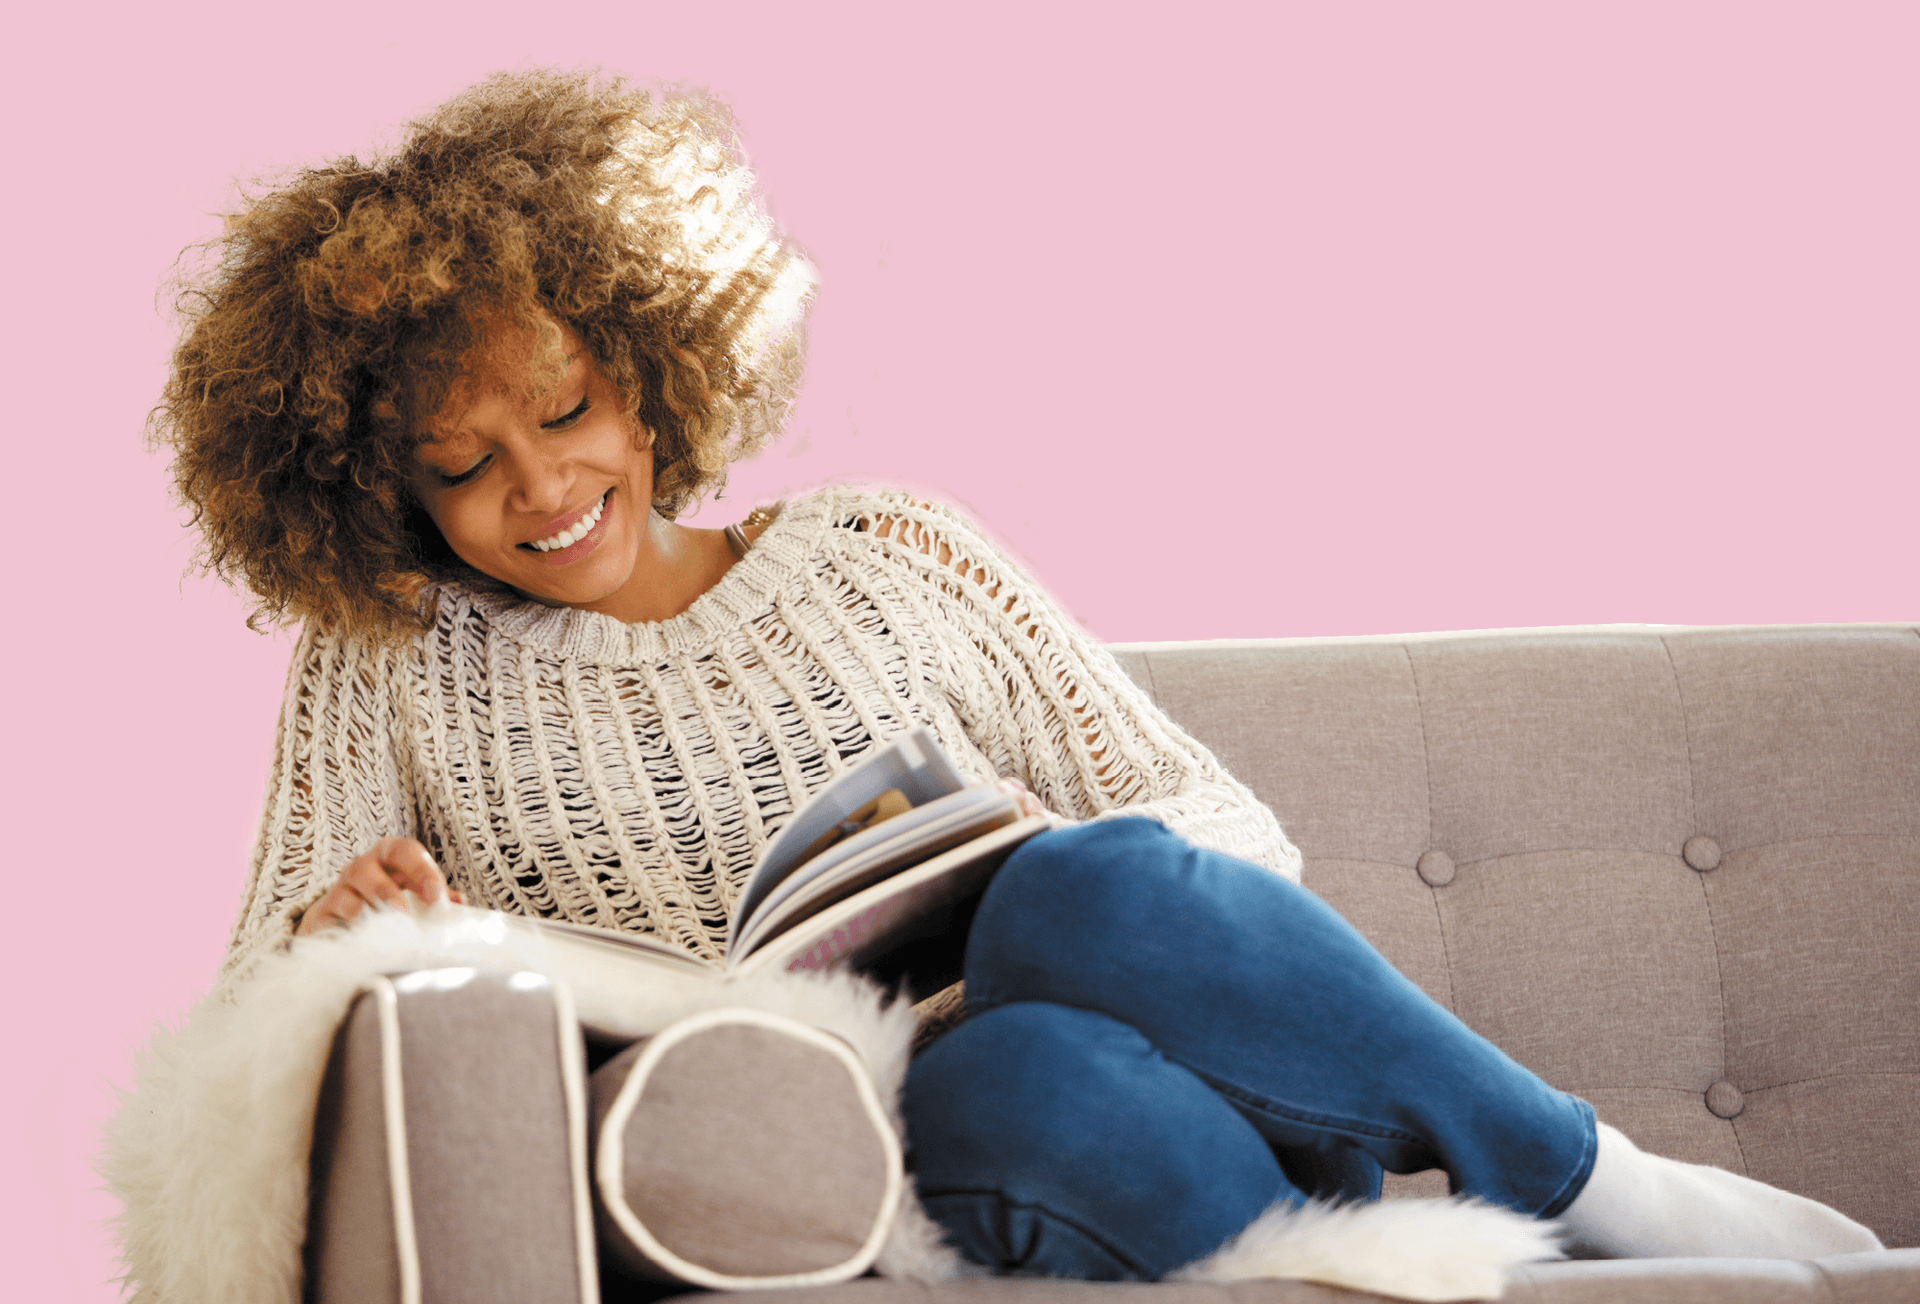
<point>675,565</point>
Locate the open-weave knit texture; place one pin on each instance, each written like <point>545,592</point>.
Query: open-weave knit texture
<point>563,764</point>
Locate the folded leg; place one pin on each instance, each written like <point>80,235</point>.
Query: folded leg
<point>1264,993</point>
<point>1057,1142</point>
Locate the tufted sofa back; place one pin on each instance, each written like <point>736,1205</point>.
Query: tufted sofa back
<point>1676,872</point>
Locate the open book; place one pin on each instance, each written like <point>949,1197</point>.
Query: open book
<point>878,871</point>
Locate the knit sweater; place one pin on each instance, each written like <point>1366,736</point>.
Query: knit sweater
<point>563,764</point>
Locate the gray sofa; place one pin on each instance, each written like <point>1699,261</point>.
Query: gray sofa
<point>1676,872</point>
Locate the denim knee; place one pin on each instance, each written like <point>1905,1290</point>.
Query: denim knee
<point>1265,994</point>
<point>1084,859</point>
<point>1084,886</point>
<point>1093,898</point>
<point>1058,1142</point>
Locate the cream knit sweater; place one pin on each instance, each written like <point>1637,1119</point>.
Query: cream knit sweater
<point>564,764</point>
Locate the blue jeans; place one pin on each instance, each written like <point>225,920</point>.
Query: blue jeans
<point>1165,1041</point>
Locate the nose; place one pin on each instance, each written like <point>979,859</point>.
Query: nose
<point>541,481</point>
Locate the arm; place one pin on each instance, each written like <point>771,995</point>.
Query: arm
<point>334,791</point>
<point>1050,706</point>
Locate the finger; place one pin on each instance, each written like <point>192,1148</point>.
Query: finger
<point>319,915</point>
<point>411,866</point>
<point>1023,797</point>
<point>373,882</point>
<point>345,903</point>
<point>337,907</point>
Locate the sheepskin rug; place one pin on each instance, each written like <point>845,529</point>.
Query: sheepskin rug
<point>208,1151</point>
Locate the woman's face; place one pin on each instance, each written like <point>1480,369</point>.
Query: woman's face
<point>546,487</point>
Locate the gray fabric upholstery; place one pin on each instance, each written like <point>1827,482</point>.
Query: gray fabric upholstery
<point>492,1189</point>
<point>350,1250</point>
<point>1757,1012</point>
<point>1674,871</point>
<point>752,1148</point>
<point>1855,1279</point>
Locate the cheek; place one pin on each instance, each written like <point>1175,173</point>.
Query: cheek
<point>457,524</point>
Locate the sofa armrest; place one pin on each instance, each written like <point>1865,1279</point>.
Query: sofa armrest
<point>449,1151</point>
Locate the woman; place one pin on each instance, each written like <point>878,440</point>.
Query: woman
<point>444,410</point>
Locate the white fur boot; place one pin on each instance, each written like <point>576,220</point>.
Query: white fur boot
<point>1642,1206</point>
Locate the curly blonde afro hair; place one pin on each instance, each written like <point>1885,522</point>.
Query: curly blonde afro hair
<point>334,314</point>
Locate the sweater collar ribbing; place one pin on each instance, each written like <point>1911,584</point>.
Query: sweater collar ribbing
<point>745,592</point>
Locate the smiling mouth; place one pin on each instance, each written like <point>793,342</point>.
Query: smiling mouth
<point>574,533</point>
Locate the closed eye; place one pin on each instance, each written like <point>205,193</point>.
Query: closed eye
<point>471,473</point>
<point>479,468</point>
<point>580,410</point>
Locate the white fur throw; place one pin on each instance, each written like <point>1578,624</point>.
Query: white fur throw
<point>208,1152</point>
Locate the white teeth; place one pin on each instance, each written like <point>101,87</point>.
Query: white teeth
<point>568,537</point>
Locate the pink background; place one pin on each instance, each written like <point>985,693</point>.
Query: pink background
<point>1231,320</point>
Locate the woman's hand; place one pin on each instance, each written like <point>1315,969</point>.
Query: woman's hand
<point>394,866</point>
<point>1029,804</point>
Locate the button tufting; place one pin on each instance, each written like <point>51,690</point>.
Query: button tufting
<point>1435,868</point>
<point>1702,854</point>
<point>1724,1099</point>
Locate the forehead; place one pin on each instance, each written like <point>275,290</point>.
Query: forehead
<point>512,372</point>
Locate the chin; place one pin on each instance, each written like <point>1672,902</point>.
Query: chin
<point>591,585</point>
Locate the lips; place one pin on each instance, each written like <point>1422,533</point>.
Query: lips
<point>595,521</point>
<point>575,530</point>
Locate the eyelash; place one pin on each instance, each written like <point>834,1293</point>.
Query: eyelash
<point>580,410</point>
<point>559,423</point>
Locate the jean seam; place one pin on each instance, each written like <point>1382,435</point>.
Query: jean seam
<point>1228,1089</point>
<point>1576,1181</point>
<point>1272,1110</point>
<point>1007,1201</point>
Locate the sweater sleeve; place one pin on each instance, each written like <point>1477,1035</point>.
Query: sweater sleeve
<point>334,789</point>
<point>1049,705</point>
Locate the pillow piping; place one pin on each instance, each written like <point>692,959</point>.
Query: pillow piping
<point>610,1157</point>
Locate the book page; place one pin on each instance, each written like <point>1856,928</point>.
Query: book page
<point>880,862</point>
<point>867,925</point>
<point>921,823</point>
<point>912,762</point>
<point>578,940</point>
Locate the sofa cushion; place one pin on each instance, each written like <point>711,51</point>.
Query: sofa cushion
<point>737,1148</point>
<point>411,1156</point>
<point>1676,872</point>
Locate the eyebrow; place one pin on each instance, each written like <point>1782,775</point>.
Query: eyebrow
<point>573,363</point>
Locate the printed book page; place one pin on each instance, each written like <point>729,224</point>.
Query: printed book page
<point>882,885</point>
<point>913,762</point>
<point>867,925</point>
<point>919,833</point>
<point>615,941</point>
